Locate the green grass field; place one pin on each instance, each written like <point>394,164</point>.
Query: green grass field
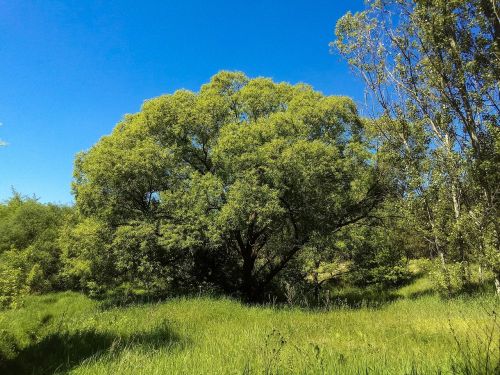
<point>69,333</point>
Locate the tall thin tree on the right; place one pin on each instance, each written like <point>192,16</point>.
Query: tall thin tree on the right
<point>432,68</point>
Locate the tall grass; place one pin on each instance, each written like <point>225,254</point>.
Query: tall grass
<point>68,333</point>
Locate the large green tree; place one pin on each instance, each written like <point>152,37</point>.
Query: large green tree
<point>238,177</point>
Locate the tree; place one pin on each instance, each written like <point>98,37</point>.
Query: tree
<point>30,255</point>
<point>432,68</point>
<point>238,178</point>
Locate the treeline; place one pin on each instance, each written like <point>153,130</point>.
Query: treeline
<point>248,187</point>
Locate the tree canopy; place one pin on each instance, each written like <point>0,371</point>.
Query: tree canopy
<point>241,176</point>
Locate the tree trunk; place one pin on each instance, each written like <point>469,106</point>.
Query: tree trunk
<point>446,274</point>
<point>317,284</point>
<point>249,287</point>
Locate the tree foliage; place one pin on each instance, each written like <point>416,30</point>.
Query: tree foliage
<point>432,68</point>
<point>238,176</point>
<point>30,255</point>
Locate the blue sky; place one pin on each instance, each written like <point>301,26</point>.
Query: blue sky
<point>69,70</point>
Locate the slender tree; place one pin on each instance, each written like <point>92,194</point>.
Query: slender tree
<point>432,68</point>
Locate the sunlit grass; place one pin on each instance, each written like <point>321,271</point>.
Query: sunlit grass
<point>67,332</point>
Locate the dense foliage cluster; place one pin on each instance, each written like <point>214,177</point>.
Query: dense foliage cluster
<point>223,187</point>
<point>30,255</point>
<point>259,189</point>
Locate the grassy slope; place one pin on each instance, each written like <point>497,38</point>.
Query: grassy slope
<point>68,332</point>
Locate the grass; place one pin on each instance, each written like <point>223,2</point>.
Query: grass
<point>69,333</point>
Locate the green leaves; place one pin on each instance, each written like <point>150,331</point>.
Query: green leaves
<point>432,70</point>
<point>244,166</point>
<point>249,202</point>
<point>30,253</point>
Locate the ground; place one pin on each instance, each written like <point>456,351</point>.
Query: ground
<point>415,333</point>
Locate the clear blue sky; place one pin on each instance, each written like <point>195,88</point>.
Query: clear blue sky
<point>69,70</point>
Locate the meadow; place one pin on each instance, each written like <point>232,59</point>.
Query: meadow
<point>240,224</point>
<point>416,333</point>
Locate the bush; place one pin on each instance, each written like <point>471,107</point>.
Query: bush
<point>11,281</point>
<point>30,255</point>
<point>459,277</point>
